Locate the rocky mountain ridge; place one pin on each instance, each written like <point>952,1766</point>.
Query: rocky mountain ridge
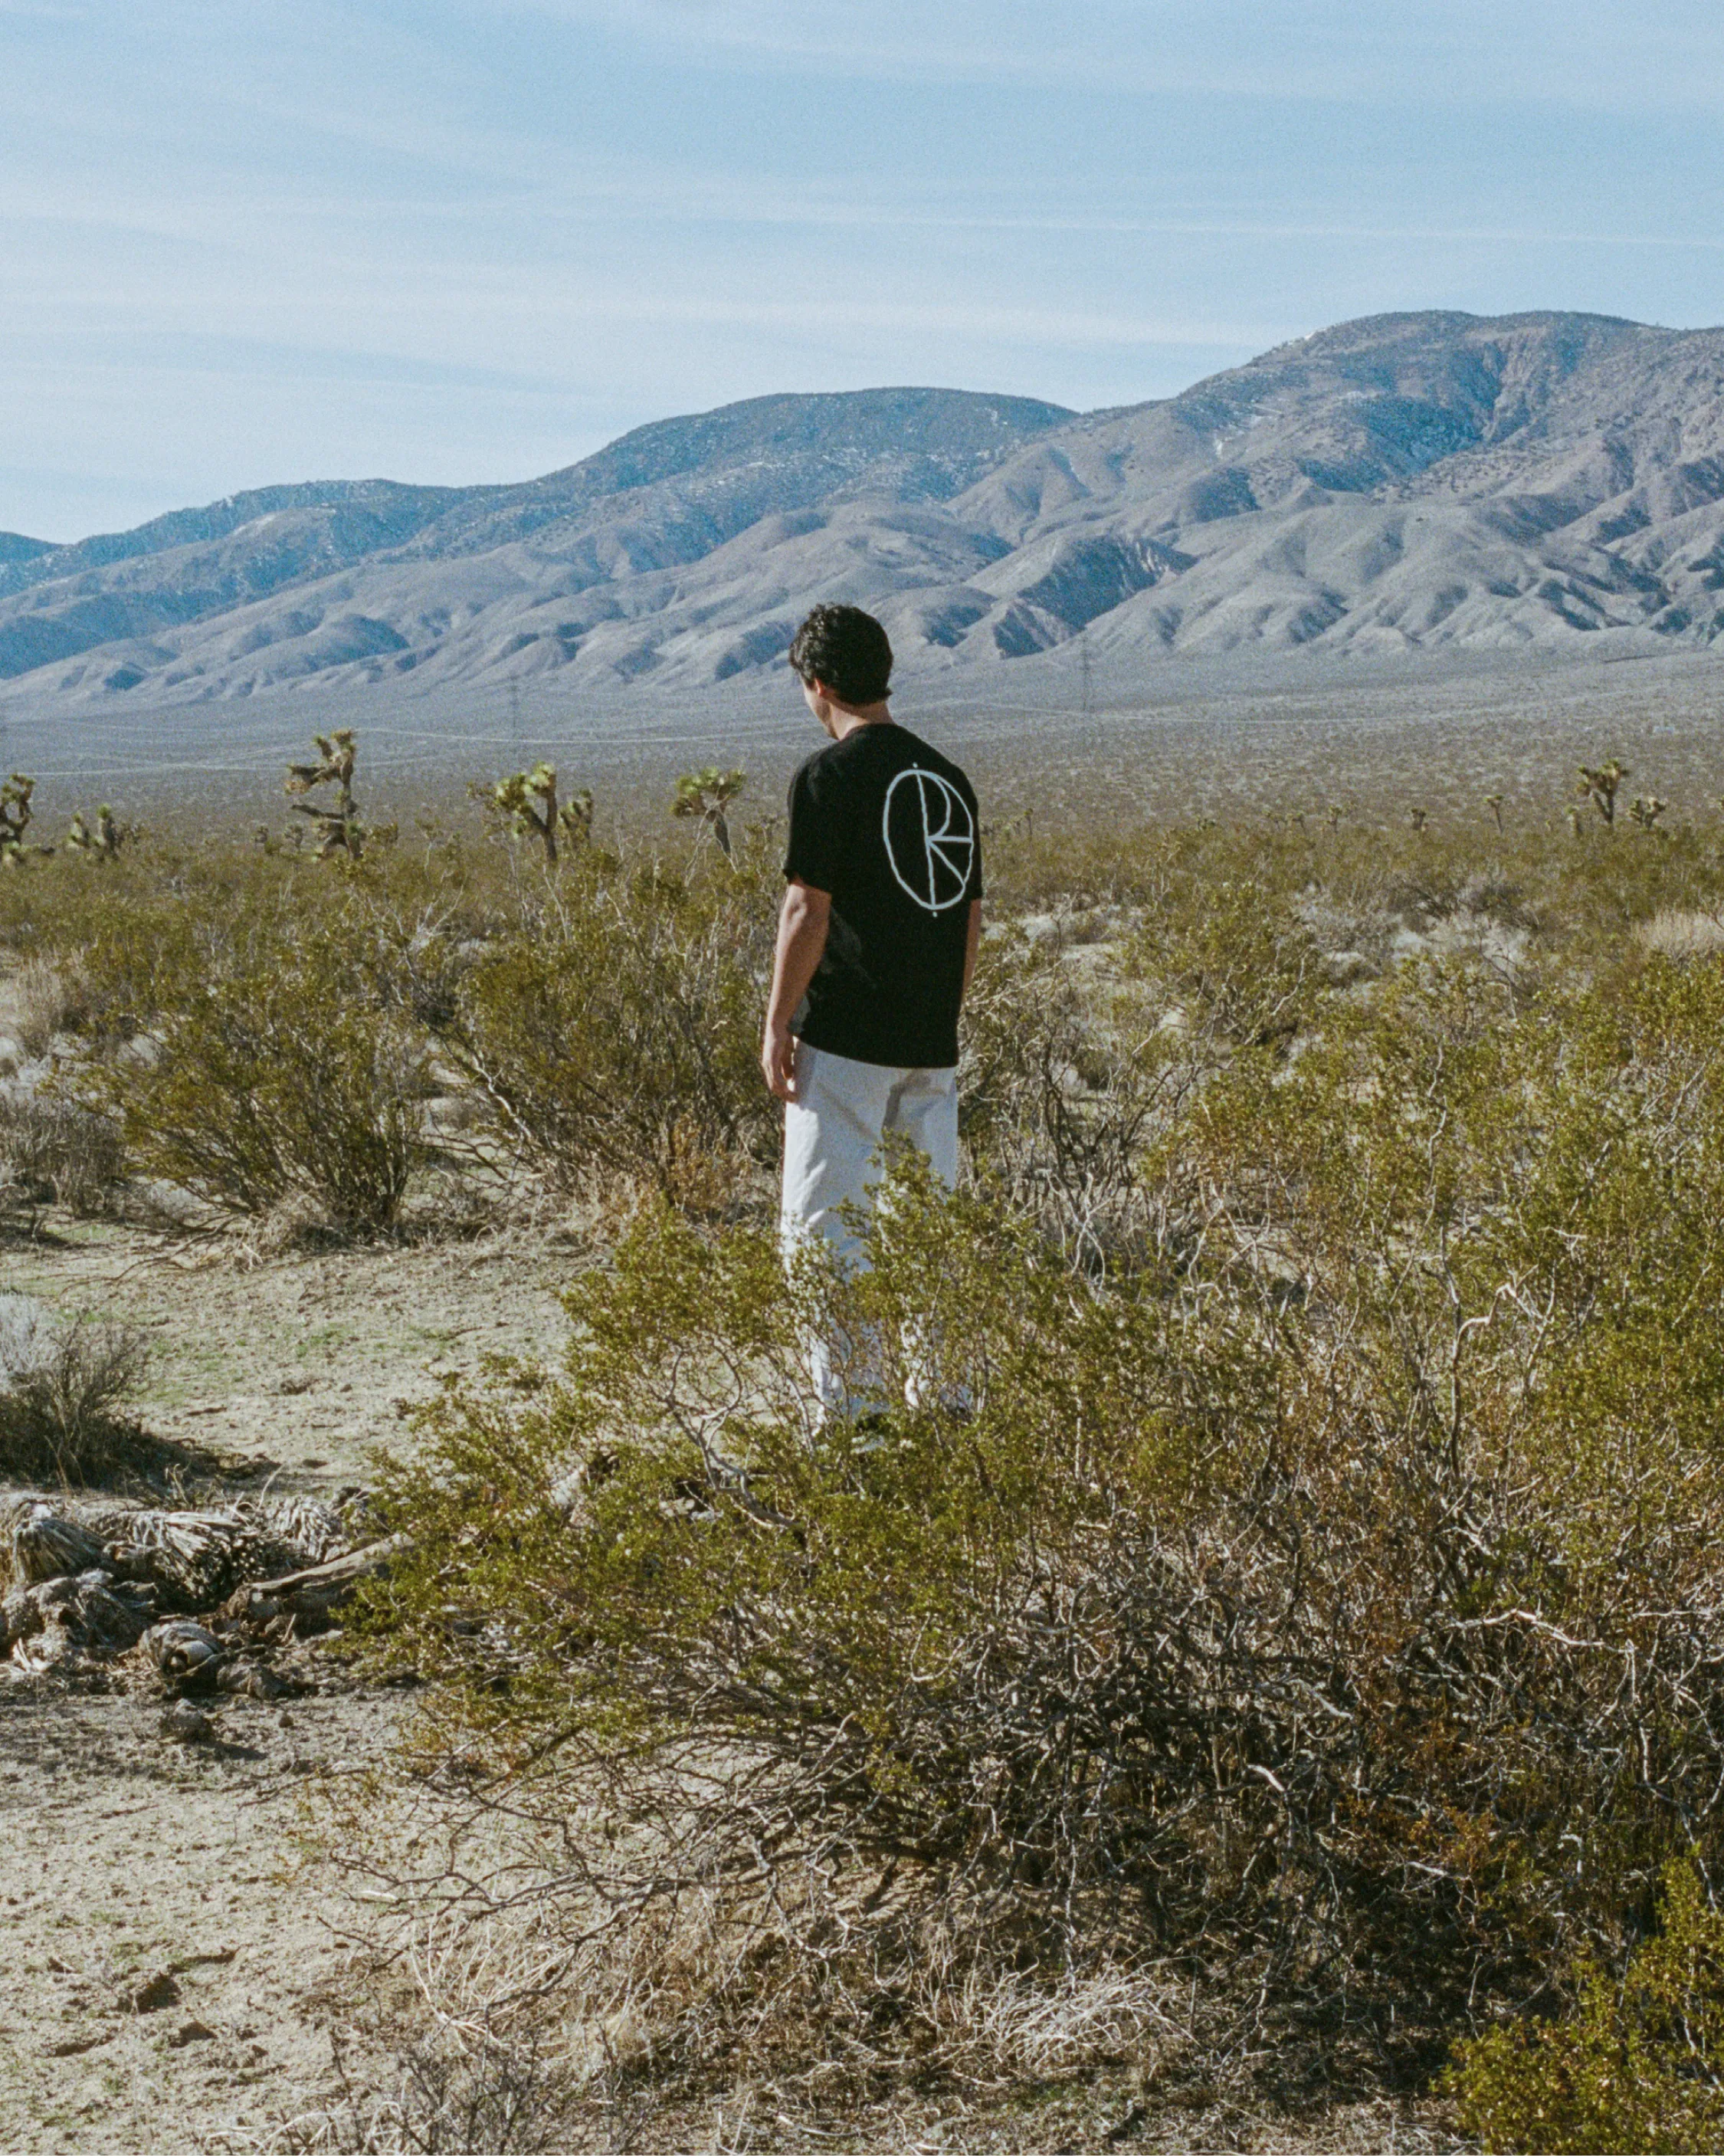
<point>1402,484</point>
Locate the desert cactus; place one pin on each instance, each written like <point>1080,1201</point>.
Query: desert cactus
<point>529,798</point>
<point>1419,817</point>
<point>1646,808</point>
<point>15,811</point>
<point>1599,787</point>
<point>1493,802</point>
<point>705,793</point>
<point>100,841</point>
<point>15,814</point>
<point>341,831</point>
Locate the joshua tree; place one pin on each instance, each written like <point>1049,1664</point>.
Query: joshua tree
<point>341,831</point>
<point>1646,808</point>
<point>102,841</point>
<point>529,798</point>
<point>1599,787</point>
<point>705,793</point>
<point>15,813</point>
<point>1493,802</point>
<point>1419,817</point>
<point>1335,812</point>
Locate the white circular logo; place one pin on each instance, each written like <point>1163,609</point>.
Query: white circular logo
<point>930,837</point>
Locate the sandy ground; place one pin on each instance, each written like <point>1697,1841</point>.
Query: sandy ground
<point>123,1855</point>
<point>163,1947</point>
<point>299,1363</point>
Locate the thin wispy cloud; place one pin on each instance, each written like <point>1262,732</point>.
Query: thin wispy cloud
<point>473,239</point>
<point>1593,54</point>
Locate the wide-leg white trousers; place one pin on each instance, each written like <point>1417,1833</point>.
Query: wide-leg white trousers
<point>833,1133</point>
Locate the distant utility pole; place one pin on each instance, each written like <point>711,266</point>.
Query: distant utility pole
<point>514,711</point>
<point>1084,663</point>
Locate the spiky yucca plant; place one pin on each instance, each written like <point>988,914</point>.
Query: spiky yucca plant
<point>529,799</point>
<point>340,829</point>
<point>1599,786</point>
<point>100,841</point>
<point>15,815</point>
<point>707,794</point>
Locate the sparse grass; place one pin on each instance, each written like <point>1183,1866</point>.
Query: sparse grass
<point>51,1150</point>
<point>63,1382</point>
<point>49,997</point>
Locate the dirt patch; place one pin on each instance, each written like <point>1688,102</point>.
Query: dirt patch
<point>300,1363</point>
<point>162,1944</point>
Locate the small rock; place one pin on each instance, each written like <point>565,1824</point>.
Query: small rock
<point>251,1680</point>
<point>187,1724</point>
<point>1343,968</point>
<point>69,2047</point>
<point>53,1648</point>
<point>21,1617</point>
<point>184,1652</point>
<point>189,2032</point>
<point>153,1993</point>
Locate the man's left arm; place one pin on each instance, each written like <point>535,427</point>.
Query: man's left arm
<point>973,944</point>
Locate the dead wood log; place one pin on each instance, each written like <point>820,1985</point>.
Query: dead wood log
<point>89,1614</point>
<point>193,1559</point>
<point>310,1596</point>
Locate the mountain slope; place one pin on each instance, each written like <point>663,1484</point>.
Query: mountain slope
<point>182,599</point>
<point>15,547</point>
<point>1399,484</point>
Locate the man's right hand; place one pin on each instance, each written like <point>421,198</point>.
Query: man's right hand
<point>778,1061</point>
<point>803,921</point>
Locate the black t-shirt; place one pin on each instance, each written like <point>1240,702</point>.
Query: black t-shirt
<point>889,827</point>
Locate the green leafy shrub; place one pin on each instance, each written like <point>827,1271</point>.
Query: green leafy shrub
<point>1639,2065</point>
<point>281,1078</point>
<point>949,1657</point>
<point>616,1038</point>
<point>1329,1591</point>
<point>1060,1091</point>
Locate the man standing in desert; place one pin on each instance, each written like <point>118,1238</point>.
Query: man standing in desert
<point>877,942</point>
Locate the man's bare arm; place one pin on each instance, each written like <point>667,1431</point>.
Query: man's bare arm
<point>802,922</point>
<point>972,943</point>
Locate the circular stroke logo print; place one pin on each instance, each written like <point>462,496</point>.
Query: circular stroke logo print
<point>930,837</point>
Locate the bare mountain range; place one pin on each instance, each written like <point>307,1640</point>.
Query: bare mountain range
<point>1540,483</point>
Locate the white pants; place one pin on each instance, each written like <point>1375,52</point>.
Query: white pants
<point>833,1131</point>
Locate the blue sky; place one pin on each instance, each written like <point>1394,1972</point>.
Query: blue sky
<point>252,241</point>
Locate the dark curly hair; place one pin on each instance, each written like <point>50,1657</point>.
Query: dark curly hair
<point>846,650</point>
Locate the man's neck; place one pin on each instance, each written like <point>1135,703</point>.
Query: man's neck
<point>847,719</point>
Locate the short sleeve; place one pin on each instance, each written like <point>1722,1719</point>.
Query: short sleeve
<point>814,850</point>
